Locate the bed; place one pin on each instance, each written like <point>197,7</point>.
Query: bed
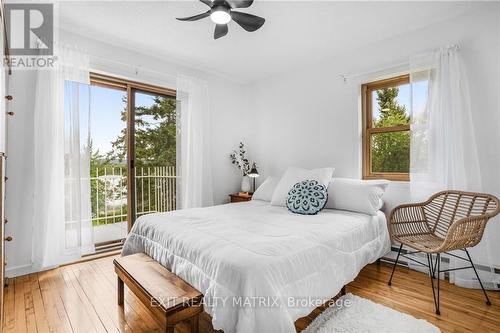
<point>260,267</point>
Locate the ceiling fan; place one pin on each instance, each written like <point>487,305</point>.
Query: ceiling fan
<point>221,13</point>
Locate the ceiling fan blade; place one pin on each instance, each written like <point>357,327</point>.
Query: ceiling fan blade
<point>220,30</point>
<point>247,21</point>
<point>239,3</point>
<point>207,2</point>
<point>195,18</point>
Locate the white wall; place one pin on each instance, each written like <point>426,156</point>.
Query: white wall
<point>228,124</point>
<point>311,118</point>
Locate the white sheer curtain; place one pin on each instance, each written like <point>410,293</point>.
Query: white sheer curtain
<point>443,146</point>
<point>60,201</point>
<point>77,151</point>
<point>194,165</point>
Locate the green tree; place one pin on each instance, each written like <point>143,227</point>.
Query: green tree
<point>155,135</point>
<point>391,151</point>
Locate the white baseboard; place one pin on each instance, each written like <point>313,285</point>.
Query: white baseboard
<point>391,258</point>
<point>12,272</point>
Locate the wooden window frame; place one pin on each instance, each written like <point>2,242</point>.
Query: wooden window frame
<point>368,128</point>
<point>130,87</point>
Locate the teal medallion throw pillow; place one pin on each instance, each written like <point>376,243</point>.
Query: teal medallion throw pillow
<point>307,197</point>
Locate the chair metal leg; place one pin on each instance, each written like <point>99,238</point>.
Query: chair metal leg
<point>395,264</point>
<point>477,275</point>
<point>433,266</point>
<point>434,269</point>
<point>438,279</point>
<point>436,304</point>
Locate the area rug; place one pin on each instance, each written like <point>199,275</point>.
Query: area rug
<point>354,314</point>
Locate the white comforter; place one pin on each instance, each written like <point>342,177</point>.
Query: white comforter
<point>260,267</point>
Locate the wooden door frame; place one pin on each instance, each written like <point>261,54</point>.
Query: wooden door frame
<point>130,87</point>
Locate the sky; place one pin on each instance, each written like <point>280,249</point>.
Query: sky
<point>419,97</point>
<point>106,107</point>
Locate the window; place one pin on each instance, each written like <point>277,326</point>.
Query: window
<point>386,129</point>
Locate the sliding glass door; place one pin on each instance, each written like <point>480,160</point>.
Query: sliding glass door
<point>155,152</point>
<point>134,153</point>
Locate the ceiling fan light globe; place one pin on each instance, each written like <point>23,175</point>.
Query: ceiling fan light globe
<point>220,17</point>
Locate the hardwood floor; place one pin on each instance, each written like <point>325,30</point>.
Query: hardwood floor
<point>82,298</point>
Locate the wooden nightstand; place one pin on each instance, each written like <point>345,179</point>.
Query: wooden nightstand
<point>236,197</point>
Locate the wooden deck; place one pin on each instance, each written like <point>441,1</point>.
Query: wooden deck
<point>82,298</point>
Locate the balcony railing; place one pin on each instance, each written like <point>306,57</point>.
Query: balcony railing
<point>155,191</point>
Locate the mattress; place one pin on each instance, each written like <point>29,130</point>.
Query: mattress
<point>261,267</point>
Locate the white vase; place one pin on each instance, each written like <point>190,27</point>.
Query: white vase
<point>245,184</point>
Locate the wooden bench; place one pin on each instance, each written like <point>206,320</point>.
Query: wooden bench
<point>167,296</point>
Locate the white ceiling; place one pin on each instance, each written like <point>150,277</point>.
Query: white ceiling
<point>295,33</point>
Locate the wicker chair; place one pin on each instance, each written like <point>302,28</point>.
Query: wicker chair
<point>448,221</point>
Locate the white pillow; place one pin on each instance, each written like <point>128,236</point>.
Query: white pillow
<point>294,175</point>
<point>266,189</point>
<point>356,195</point>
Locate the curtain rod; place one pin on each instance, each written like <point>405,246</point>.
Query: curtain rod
<point>93,56</point>
<point>137,68</point>
<point>346,77</point>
